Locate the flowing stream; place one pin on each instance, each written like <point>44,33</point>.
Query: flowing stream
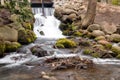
<point>49,25</point>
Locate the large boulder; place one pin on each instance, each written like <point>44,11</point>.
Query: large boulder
<point>8,34</point>
<point>109,28</point>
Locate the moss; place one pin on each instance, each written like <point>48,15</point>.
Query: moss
<point>116,40</point>
<point>2,48</point>
<point>26,36</point>
<point>87,51</point>
<point>108,46</point>
<point>115,2</point>
<point>100,38</point>
<point>77,33</point>
<point>60,46</point>
<point>65,43</point>
<point>11,47</point>
<point>96,55</point>
<point>27,25</point>
<point>115,49</point>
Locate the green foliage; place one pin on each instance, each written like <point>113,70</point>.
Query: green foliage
<point>21,8</point>
<point>65,43</point>
<point>116,2</point>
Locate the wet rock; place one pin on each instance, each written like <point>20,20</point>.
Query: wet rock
<point>39,51</point>
<point>108,54</point>
<point>93,27</point>
<point>97,33</point>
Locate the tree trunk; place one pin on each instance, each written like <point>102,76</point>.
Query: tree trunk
<point>90,15</point>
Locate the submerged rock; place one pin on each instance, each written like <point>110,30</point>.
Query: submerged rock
<point>39,51</point>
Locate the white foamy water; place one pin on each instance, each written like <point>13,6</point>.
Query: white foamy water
<point>47,24</point>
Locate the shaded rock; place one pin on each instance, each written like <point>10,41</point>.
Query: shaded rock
<point>2,48</point>
<point>8,34</point>
<point>39,51</point>
<point>97,33</point>
<point>109,28</point>
<point>93,27</point>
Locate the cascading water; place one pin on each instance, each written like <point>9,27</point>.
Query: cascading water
<point>48,24</point>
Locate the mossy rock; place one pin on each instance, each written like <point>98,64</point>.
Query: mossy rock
<point>28,25</point>
<point>65,43</point>
<point>87,51</point>
<point>96,55</point>
<point>12,46</point>
<point>77,34</point>
<point>26,36</point>
<point>115,49</point>
<point>108,46</point>
<point>2,48</point>
<point>115,37</point>
<point>100,38</point>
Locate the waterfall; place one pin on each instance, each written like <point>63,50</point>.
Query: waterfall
<point>48,25</point>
